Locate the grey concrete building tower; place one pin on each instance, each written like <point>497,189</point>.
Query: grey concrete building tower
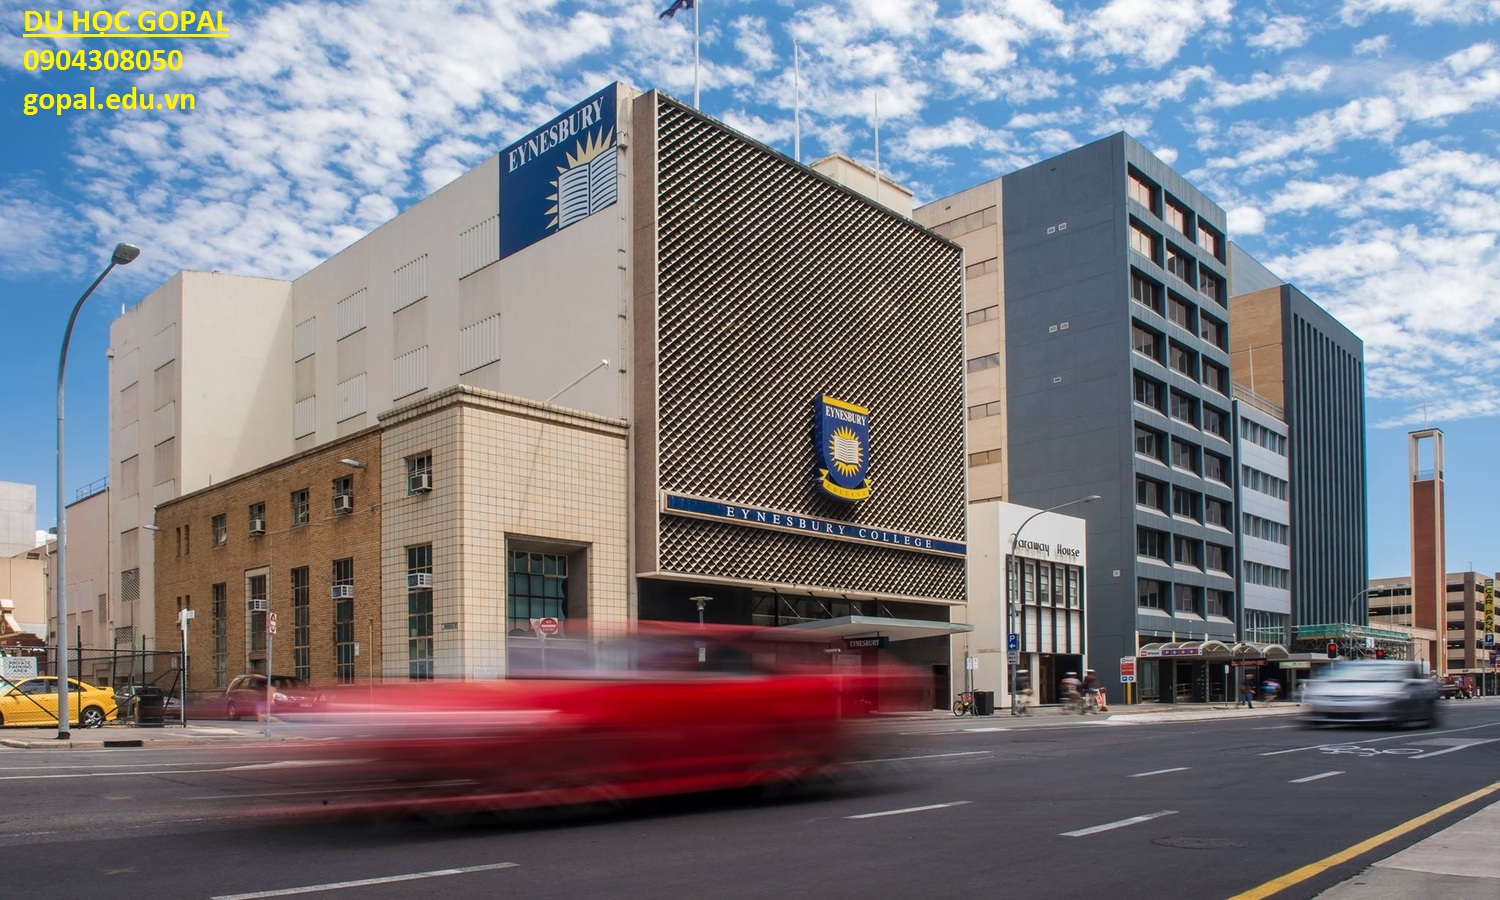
<point>1117,383</point>
<point>1292,352</point>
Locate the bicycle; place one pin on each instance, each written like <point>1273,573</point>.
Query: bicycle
<point>964,703</point>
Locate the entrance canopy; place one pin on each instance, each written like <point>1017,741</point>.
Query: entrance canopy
<point>1213,650</point>
<point>822,630</point>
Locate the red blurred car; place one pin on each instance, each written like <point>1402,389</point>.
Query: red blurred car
<point>666,711</point>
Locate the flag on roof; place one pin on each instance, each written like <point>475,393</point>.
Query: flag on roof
<point>677,7</point>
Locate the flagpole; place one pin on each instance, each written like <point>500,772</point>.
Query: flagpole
<point>696,4</point>
<point>877,147</point>
<point>796,102</point>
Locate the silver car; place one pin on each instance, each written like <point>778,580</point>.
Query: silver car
<point>1397,692</point>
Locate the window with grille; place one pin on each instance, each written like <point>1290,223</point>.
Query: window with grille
<point>537,586</point>
<point>221,530</point>
<point>301,624</point>
<point>299,507</point>
<point>343,622</point>
<point>221,634</point>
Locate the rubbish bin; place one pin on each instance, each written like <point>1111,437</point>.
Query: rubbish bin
<point>984,703</point>
<point>151,707</point>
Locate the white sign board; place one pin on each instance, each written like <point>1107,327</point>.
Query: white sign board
<point>17,668</point>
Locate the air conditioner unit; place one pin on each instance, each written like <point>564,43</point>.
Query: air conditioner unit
<point>257,526</point>
<point>256,606</point>
<point>419,580</point>
<point>343,503</point>
<point>343,592</point>
<point>419,483</point>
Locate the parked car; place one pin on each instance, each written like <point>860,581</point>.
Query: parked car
<point>246,696</point>
<point>1396,692</point>
<point>661,712</point>
<point>33,701</point>
<point>128,699</point>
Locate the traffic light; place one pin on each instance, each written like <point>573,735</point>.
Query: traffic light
<point>1333,650</point>
<point>1379,653</point>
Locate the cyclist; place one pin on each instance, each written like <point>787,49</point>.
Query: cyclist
<point>1070,688</point>
<point>1022,704</point>
<point>1093,691</point>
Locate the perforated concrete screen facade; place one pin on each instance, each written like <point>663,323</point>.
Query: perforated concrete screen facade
<point>761,287</point>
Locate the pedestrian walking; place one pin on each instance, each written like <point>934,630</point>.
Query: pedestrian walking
<point>1247,690</point>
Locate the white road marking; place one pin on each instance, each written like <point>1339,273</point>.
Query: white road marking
<point>1159,772</point>
<point>861,762</point>
<point>390,879</point>
<point>1313,777</point>
<point>974,730</point>
<point>1133,820</point>
<point>108,774</point>
<point>1451,749</point>
<point>1393,737</point>
<point>909,809</point>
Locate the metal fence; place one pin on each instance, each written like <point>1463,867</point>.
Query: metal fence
<point>109,668</point>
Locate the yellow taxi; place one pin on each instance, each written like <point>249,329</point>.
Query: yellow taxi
<point>33,701</point>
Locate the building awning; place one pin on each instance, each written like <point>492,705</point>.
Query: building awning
<point>865,626</point>
<point>1212,649</point>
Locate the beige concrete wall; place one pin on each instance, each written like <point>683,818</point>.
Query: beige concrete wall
<point>857,177</point>
<point>1255,347</point>
<point>24,580</point>
<point>507,473</point>
<point>90,612</point>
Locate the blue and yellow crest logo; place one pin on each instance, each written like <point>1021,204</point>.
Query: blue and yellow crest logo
<point>843,448</point>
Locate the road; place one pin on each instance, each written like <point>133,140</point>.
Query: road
<point>1138,807</point>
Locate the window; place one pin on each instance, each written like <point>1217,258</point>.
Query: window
<point>257,518</point>
<point>299,508</point>
<point>1146,342</point>
<point>1211,285</point>
<point>221,634</point>
<point>1217,602</point>
<point>343,486</point>
<point>343,622</point>
<point>985,410</point>
<point>980,316</point>
<point>1180,264</point>
<point>1216,422</point>
<point>984,458</point>
<point>537,586</point>
<point>1183,360</point>
<point>1187,552</point>
<point>1218,558</point>
<point>1141,190</point>
<point>1177,216</point>
<point>1216,512</point>
<point>1149,442</point>
<point>1150,392</point>
<point>1215,467</point>
<point>980,363</point>
<point>1267,576</point>
<point>419,473</point>
<point>221,530</point>
<point>1215,378</point>
<point>1151,544</point>
<point>1257,433</point>
<point>1145,291</point>
<point>1211,241</point>
<point>255,593</point>
<point>419,613</point>
<point>1180,311</point>
<point>1261,482</point>
<point>1213,331</point>
<point>1145,243</point>
<point>1265,529</point>
<point>1184,455</point>
<point>1184,598</point>
<point>187,540</point>
<point>301,624</point>
<point>1186,503</point>
<point>1151,593</point>
<point>1184,407</point>
<point>1150,493</point>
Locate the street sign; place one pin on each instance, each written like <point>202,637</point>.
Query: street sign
<point>1013,642</point>
<point>16,668</point>
<point>1127,670</point>
<point>271,624</point>
<point>971,662</point>
<point>548,625</point>
<point>1012,657</point>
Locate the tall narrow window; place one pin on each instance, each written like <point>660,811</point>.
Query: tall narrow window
<point>1145,291</point>
<point>1184,598</point>
<point>221,634</point>
<point>343,620</point>
<point>419,612</point>
<point>221,530</point>
<point>301,624</point>
<point>299,507</point>
<point>255,594</point>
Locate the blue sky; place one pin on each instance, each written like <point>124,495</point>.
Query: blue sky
<point>1354,144</point>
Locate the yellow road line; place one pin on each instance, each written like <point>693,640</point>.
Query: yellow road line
<point>1277,885</point>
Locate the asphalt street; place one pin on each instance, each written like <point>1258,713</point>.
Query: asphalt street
<point>1139,806</point>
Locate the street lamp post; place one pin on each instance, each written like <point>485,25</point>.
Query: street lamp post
<point>702,602</point>
<point>1013,586</point>
<point>124,254</point>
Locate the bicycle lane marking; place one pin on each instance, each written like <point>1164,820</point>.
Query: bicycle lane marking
<point>909,809</point>
<point>1320,775</point>
<point>1394,737</point>
<point>1133,820</point>
<point>1159,772</point>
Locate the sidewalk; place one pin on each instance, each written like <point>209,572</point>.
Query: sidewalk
<point>197,733</point>
<point>1457,863</point>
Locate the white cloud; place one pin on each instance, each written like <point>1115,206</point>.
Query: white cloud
<point>1244,220</point>
<point>1150,32</point>
<point>1281,33</point>
<point>1424,12</point>
<point>1375,46</point>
